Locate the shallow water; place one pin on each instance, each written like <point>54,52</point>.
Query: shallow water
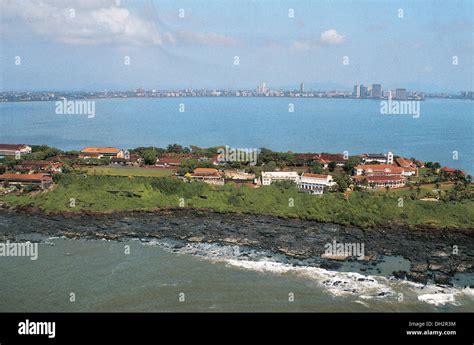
<point>212,278</point>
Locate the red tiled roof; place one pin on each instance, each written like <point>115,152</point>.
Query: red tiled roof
<point>323,176</point>
<point>25,177</point>
<point>100,150</point>
<point>331,157</point>
<point>452,170</point>
<point>15,147</point>
<point>205,171</point>
<point>404,163</point>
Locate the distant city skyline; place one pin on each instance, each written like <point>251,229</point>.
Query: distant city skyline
<point>123,45</point>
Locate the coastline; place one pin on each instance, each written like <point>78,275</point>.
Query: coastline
<point>429,249</point>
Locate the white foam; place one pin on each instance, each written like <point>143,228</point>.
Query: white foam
<point>436,294</point>
<point>336,283</point>
<point>437,299</point>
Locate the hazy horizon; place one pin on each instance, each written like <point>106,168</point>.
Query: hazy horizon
<point>124,45</point>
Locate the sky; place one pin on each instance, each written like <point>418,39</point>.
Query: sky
<point>122,45</point>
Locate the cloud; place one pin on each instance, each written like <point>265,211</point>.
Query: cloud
<point>92,23</point>
<point>331,37</point>
<point>328,37</point>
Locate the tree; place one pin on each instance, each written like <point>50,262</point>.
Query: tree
<point>149,157</point>
<point>332,166</point>
<point>351,162</point>
<point>342,183</point>
<point>187,166</point>
<point>284,184</point>
<point>317,168</point>
<point>174,148</point>
<point>270,166</point>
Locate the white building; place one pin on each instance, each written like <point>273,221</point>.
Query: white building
<point>315,183</point>
<point>14,150</point>
<point>378,157</point>
<point>272,176</point>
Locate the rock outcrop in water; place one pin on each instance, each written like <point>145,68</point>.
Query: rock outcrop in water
<point>435,254</point>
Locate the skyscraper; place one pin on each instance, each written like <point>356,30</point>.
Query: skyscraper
<point>302,87</point>
<point>400,94</point>
<point>357,90</point>
<point>363,91</point>
<point>262,88</point>
<point>376,91</point>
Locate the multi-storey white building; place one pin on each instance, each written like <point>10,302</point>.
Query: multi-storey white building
<point>272,176</point>
<point>378,157</point>
<point>315,183</point>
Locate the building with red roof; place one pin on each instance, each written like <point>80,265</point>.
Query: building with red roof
<point>382,169</point>
<point>379,182</point>
<point>452,171</point>
<point>208,175</point>
<point>41,180</point>
<point>13,150</point>
<point>314,183</point>
<point>99,152</point>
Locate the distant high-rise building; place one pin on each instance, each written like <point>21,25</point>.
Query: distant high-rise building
<point>467,94</point>
<point>357,90</point>
<point>401,94</point>
<point>302,87</point>
<point>363,91</point>
<point>376,91</point>
<point>262,88</point>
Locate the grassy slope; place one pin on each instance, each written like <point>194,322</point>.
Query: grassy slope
<point>364,209</point>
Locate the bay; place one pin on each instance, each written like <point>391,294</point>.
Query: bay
<point>443,132</point>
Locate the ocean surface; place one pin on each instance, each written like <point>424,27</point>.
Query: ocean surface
<point>443,132</point>
<point>204,277</point>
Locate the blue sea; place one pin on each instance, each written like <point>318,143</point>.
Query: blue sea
<point>443,132</point>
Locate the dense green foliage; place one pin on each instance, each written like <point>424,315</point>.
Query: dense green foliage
<point>363,208</point>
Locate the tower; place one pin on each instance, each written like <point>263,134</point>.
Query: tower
<point>390,158</point>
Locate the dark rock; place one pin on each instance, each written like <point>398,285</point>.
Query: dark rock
<point>400,274</point>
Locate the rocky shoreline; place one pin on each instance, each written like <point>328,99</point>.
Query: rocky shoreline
<point>431,251</point>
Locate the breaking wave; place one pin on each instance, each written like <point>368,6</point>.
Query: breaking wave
<point>337,283</point>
